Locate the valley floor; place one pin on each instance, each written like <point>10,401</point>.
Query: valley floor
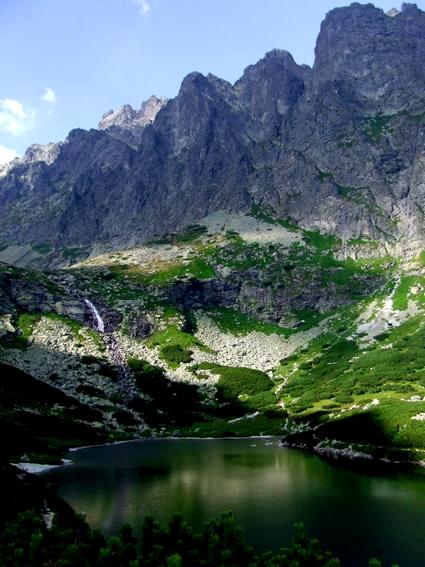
<point>241,326</point>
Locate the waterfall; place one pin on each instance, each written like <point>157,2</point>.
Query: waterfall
<point>111,343</point>
<point>99,325</point>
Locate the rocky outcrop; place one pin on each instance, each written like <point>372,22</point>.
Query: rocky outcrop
<point>127,124</point>
<point>127,117</point>
<point>262,295</point>
<point>34,292</point>
<point>338,148</point>
<point>46,153</point>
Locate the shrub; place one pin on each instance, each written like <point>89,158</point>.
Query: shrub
<point>234,382</point>
<point>89,359</point>
<point>175,354</point>
<point>344,398</point>
<point>71,543</point>
<point>143,369</point>
<point>124,417</point>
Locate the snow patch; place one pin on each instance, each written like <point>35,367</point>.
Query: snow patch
<point>36,468</point>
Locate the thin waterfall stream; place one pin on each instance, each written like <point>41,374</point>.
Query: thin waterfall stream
<point>113,347</point>
<point>99,324</point>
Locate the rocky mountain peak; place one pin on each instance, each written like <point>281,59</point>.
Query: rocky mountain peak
<point>126,117</point>
<point>410,8</point>
<point>195,81</point>
<point>150,109</point>
<point>46,153</point>
<point>127,124</point>
<point>123,117</point>
<point>269,89</point>
<point>337,148</point>
<point>276,66</point>
<point>372,56</point>
<point>393,13</point>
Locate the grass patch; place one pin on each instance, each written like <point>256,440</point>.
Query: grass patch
<point>237,323</point>
<point>363,241</point>
<point>421,258</point>
<point>259,425</point>
<point>322,175</point>
<point>174,345</point>
<point>261,214</point>
<point>334,371</point>
<point>175,354</point>
<point>403,292</point>
<point>26,323</point>
<point>388,424</point>
<point>377,126</point>
<point>234,382</point>
<point>143,368</point>
<point>322,242</point>
<point>43,248</point>
<point>240,390</point>
<point>197,268</point>
<point>345,191</point>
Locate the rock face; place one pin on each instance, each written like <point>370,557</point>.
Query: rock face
<point>339,148</point>
<point>45,153</point>
<point>127,124</point>
<point>20,293</point>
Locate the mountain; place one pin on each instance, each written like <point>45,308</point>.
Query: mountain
<point>127,124</point>
<point>241,259</point>
<point>336,148</point>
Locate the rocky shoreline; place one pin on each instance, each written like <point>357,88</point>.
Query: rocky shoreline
<point>356,459</point>
<point>333,451</point>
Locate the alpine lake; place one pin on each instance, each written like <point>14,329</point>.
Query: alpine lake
<point>267,487</point>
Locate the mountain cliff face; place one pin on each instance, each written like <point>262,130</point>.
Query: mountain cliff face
<point>242,259</point>
<point>127,124</point>
<point>339,148</point>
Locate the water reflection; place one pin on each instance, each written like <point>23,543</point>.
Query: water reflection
<point>267,487</point>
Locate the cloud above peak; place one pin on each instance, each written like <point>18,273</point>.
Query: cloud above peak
<point>144,6</point>
<point>49,95</point>
<point>15,118</point>
<point>6,155</point>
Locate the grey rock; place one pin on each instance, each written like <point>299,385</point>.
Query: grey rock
<point>393,12</point>
<point>142,326</point>
<point>337,148</point>
<point>46,153</point>
<point>127,124</point>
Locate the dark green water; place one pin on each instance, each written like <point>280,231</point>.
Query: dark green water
<point>268,488</point>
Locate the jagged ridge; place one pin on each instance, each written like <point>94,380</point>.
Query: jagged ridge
<point>338,148</point>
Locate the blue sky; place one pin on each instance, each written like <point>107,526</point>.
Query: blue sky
<point>66,62</point>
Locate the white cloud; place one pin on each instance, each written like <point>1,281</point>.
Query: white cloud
<point>15,118</point>
<point>49,95</point>
<point>6,155</point>
<point>144,6</point>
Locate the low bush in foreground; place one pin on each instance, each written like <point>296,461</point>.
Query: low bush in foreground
<point>28,542</point>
